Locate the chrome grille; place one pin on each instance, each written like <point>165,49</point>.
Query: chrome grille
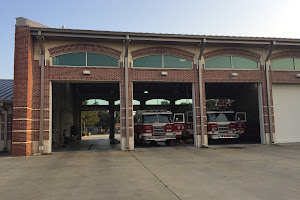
<point>223,129</point>
<point>158,130</point>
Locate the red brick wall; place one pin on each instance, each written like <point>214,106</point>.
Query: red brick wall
<point>27,82</point>
<point>23,85</point>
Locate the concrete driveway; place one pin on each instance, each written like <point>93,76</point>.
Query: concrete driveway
<point>178,172</point>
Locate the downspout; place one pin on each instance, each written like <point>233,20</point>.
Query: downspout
<point>42,97</point>
<point>267,69</point>
<point>201,91</point>
<point>126,91</point>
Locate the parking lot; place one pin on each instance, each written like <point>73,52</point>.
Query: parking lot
<point>236,171</point>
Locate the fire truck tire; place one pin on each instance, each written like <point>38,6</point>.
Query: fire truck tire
<point>168,142</point>
<point>137,141</point>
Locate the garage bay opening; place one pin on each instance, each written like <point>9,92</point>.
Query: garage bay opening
<point>162,113</point>
<point>232,111</point>
<point>85,116</point>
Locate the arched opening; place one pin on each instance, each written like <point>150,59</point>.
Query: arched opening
<point>157,102</point>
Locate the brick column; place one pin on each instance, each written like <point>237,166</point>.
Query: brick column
<point>123,116</point>
<point>198,116</point>
<point>266,111</point>
<point>23,85</point>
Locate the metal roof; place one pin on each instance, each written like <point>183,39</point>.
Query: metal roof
<point>43,30</point>
<point>155,37</point>
<point>6,89</point>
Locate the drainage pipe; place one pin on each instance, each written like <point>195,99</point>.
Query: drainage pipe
<point>126,92</point>
<point>42,97</point>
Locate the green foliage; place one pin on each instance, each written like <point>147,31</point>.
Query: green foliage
<point>103,116</point>
<point>165,103</point>
<point>117,119</point>
<point>90,118</point>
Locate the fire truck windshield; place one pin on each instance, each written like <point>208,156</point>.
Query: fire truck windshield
<point>156,118</point>
<point>220,117</point>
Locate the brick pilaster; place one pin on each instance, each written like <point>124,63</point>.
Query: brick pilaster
<point>23,85</point>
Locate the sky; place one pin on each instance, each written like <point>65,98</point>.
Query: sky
<point>253,18</point>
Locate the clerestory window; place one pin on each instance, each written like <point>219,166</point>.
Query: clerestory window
<point>85,59</point>
<point>286,64</point>
<point>230,62</point>
<point>162,61</point>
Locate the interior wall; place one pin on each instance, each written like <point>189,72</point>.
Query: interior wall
<point>6,144</point>
<point>62,112</point>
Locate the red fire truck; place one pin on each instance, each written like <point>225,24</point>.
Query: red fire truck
<point>153,126</point>
<point>222,121</point>
<point>189,130</point>
<point>179,124</point>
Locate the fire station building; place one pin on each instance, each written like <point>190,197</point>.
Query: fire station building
<point>57,69</point>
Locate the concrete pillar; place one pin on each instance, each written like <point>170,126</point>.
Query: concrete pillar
<point>111,120</point>
<point>142,104</point>
<point>172,105</point>
<point>76,112</point>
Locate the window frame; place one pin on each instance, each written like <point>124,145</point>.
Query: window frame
<point>86,61</point>
<point>231,64</point>
<point>285,70</point>
<point>163,64</point>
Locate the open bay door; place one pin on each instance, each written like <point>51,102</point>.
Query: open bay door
<point>286,98</point>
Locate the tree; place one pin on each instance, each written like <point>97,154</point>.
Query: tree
<point>164,102</point>
<point>117,119</point>
<point>103,116</point>
<point>89,118</point>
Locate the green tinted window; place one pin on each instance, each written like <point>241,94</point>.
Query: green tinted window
<point>70,59</point>
<point>219,62</point>
<point>154,61</point>
<point>243,63</point>
<point>157,102</point>
<point>283,64</point>
<point>297,63</point>
<point>94,59</point>
<point>175,62</point>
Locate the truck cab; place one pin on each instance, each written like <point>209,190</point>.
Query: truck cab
<point>225,124</point>
<point>154,126</point>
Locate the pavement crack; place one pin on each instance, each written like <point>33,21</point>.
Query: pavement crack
<point>2,172</point>
<point>155,176</point>
<point>90,146</point>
